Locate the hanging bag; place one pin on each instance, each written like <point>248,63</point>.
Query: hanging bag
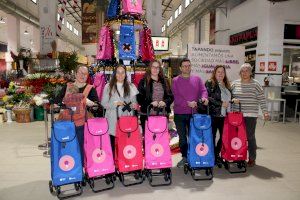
<point>113,9</point>
<point>105,44</point>
<point>132,7</point>
<point>146,46</point>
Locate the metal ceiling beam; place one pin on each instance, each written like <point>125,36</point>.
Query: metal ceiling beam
<point>199,11</point>
<point>167,7</point>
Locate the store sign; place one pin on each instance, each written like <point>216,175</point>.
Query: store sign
<point>244,37</point>
<point>47,13</point>
<point>205,58</point>
<point>160,43</point>
<point>89,21</point>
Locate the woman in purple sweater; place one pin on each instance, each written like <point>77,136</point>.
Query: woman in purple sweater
<point>188,90</point>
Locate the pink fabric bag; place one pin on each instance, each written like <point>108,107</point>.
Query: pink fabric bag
<point>99,159</point>
<point>132,7</point>
<point>105,50</point>
<point>99,83</point>
<point>157,138</point>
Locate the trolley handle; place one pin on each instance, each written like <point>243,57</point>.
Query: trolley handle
<point>158,110</point>
<point>125,107</point>
<point>240,106</point>
<point>200,102</point>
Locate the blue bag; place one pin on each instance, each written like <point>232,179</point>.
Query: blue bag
<point>113,9</point>
<point>201,147</point>
<point>127,43</point>
<point>66,166</point>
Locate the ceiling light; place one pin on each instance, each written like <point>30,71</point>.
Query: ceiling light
<point>2,20</point>
<point>26,32</point>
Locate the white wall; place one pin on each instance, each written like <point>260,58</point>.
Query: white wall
<point>269,18</point>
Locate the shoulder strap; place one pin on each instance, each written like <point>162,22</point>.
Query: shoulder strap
<point>87,90</point>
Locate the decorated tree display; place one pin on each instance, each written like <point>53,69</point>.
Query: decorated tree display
<point>124,38</point>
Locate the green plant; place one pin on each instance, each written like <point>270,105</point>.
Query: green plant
<point>68,62</point>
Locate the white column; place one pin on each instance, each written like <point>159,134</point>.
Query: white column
<point>154,16</point>
<point>13,38</point>
<point>270,41</point>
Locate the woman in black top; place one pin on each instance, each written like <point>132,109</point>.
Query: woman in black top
<point>219,95</point>
<point>154,89</point>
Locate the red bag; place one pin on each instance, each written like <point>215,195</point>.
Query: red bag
<point>146,46</point>
<point>128,140</point>
<point>234,139</point>
<point>137,77</point>
<point>105,44</point>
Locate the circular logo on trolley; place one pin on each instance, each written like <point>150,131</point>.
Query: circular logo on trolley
<point>66,163</point>
<point>236,143</point>
<point>157,150</point>
<point>202,149</point>
<point>98,155</point>
<point>129,152</point>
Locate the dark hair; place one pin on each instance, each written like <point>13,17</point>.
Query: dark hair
<point>213,77</point>
<point>113,83</point>
<point>160,73</point>
<point>184,60</point>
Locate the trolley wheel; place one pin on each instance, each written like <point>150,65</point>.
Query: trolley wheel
<point>58,191</point>
<point>226,165</point>
<point>92,183</point>
<point>185,169</point>
<point>219,165</point>
<point>121,177</point>
<point>168,175</point>
<point>207,172</point>
<point>149,177</point>
<point>51,189</point>
<point>193,172</point>
<point>136,175</point>
<point>107,180</point>
<point>77,186</point>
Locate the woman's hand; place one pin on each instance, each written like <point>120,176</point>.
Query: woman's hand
<point>135,106</point>
<point>89,103</point>
<point>154,103</point>
<point>225,104</point>
<point>266,116</point>
<point>236,101</point>
<point>119,103</point>
<point>205,101</point>
<point>161,104</point>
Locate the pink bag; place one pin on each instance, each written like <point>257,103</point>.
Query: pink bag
<point>132,7</point>
<point>146,46</point>
<point>99,83</point>
<point>105,44</point>
<point>97,148</point>
<point>157,149</point>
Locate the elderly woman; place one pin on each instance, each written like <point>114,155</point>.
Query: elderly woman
<point>90,93</point>
<point>250,94</point>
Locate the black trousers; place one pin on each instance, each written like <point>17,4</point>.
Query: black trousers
<point>182,122</point>
<point>80,137</point>
<point>250,129</point>
<point>217,124</point>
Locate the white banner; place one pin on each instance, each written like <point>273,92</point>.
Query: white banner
<point>204,58</point>
<point>48,19</point>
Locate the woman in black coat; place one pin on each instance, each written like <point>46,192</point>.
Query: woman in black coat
<point>154,89</point>
<point>219,96</point>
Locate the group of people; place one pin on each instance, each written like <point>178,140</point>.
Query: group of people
<point>187,93</point>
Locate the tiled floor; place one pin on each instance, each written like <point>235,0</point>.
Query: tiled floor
<point>24,172</point>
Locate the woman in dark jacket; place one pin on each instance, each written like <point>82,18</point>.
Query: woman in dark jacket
<point>219,96</point>
<point>154,89</point>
